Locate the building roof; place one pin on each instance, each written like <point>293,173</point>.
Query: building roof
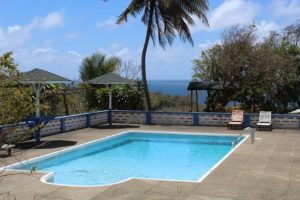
<point>42,76</point>
<point>205,85</point>
<point>110,79</point>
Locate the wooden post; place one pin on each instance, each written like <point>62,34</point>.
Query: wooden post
<point>191,100</point>
<point>110,97</point>
<point>197,105</point>
<point>37,88</point>
<point>65,103</point>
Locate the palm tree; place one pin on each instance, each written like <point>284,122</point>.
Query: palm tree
<point>97,65</point>
<point>94,66</point>
<point>165,18</point>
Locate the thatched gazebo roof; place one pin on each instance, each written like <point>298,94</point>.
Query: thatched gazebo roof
<point>41,76</point>
<point>110,79</point>
<point>205,85</point>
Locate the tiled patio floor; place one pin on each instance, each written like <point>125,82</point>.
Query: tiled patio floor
<point>267,169</point>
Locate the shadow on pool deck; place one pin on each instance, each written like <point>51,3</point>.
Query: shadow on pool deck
<point>47,144</point>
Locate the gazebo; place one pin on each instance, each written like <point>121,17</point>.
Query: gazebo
<point>203,85</point>
<point>37,79</point>
<point>110,79</point>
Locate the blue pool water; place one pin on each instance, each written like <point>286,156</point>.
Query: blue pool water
<point>141,155</point>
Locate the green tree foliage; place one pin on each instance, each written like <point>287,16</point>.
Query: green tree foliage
<point>124,97</point>
<point>161,102</point>
<point>15,99</point>
<point>252,71</point>
<point>164,18</point>
<point>93,66</point>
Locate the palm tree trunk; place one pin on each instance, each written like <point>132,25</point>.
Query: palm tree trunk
<point>143,59</point>
<point>65,102</point>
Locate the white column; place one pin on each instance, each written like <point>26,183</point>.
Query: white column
<point>110,96</point>
<point>37,90</point>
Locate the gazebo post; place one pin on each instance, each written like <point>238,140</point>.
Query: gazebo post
<point>65,102</point>
<point>110,105</point>
<point>191,100</point>
<point>37,88</point>
<point>197,108</point>
<point>110,97</point>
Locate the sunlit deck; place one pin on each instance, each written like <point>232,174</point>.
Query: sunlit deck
<point>267,169</point>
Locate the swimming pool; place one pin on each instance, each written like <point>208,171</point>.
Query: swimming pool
<point>146,155</point>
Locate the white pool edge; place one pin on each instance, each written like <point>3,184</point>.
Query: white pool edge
<point>49,175</point>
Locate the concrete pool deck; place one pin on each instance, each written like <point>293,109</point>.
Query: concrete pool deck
<point>267,169</point>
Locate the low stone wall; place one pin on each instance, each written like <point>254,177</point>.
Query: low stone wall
<point>98,118</point>
<point>52,127</point>
<point>161,118</point>
<point>279,121</point>
<point>128,117</point>
<point>75,122</point>
<point>21,131</point>
<point>61,124</point>
<point>285,122</point>
<point>214,119</point>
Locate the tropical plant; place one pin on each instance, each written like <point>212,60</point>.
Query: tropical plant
<point>97,65</point>
<point>164,18</point>
<point>125,97</point>
<point>15,99</point>
<point>252,71</point>
<point>93,66</point>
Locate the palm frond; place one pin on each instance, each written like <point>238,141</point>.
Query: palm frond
<point>134,8</point>
<point>169,17</point>
<point>96,65</point>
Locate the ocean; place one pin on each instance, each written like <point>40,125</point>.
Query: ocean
<point>174,87</point>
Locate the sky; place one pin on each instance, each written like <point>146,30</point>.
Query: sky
<point>58,35</point>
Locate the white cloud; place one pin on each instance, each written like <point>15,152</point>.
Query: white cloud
<point>122,52</point>
<point>161,64</point>
<point>264,28</point>
<point>13,29</point>
<point>229,13</point>
<point>169,56</point>
<point>208,44</point>
<point>65,63</point>
<point>173,63</point>
<point>75,53</point>
<point>109,23</point>
<point>44,50</point>
<point>286,9</point>
<point>15,36</point>
<point>52,20</point>
<point>72,36</point>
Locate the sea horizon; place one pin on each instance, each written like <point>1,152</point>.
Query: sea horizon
<point>174,88</point>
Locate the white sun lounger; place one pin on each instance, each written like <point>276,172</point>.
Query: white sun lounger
<point>265,121</point>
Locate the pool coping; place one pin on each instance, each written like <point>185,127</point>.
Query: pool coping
<point>49,175</point>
